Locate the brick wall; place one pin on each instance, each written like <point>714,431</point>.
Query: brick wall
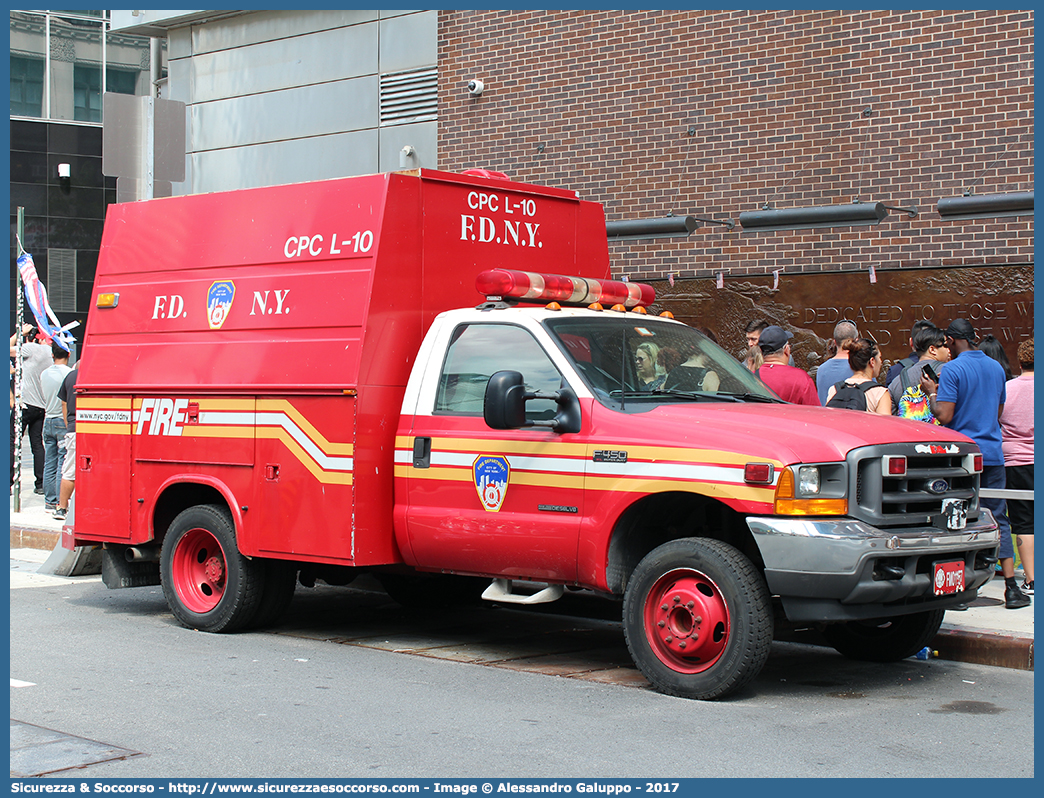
<point>714,113</point>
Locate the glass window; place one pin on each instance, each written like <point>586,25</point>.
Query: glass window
<point>654,361</point>
<point>120,81</point>
<point>86,94</point>
<point>57,58</point>
<point>28,54</point>
<point>75,69</point>
<point>477,352</point>
<point>128,61</point>
<point>27,76</point>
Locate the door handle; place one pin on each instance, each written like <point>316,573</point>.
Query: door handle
<point>421,452</point>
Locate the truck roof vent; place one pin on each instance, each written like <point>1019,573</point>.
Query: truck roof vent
<point>410,97</point>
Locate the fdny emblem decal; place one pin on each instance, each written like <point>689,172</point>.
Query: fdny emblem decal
<point>219,302</point>
<point>491,480</point>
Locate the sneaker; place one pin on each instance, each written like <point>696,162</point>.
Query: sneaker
<point>1015,599</point>
<point>49,507</point>
<point>38,491</point>
<point>1027,588</point>
<point>61,512</point>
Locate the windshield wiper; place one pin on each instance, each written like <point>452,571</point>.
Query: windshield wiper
<point>697,396</point>
<point>755,397</point>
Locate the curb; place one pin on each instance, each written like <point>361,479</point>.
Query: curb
<point>34,538</point>
<point>984,648</point>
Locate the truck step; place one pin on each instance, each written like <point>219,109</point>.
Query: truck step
<point>502,590</point>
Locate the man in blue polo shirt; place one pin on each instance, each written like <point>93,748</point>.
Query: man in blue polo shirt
<point>969,398</point>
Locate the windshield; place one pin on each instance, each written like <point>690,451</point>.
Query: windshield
<point>653,360</point>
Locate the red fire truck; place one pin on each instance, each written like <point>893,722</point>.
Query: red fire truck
<point>390,374</point>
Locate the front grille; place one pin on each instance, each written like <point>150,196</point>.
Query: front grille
<point>934,473</point>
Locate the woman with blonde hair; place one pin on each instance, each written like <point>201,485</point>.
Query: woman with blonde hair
<point>864,358</point>
<point>754,359</point>
<point>651,375</point>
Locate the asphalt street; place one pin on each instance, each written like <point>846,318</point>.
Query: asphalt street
<point>325,695</point>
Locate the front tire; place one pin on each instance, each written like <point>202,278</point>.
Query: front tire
<point>884,639</point>
<point>698,619</point>
<point>208,584</point>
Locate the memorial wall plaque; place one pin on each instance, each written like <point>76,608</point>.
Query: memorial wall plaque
<point>997,300</point>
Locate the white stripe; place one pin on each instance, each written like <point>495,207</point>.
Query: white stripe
<point>517,462</point>
<point>638,470</point>
<point>686,471</point>
<point>325,461</point>
<point>20,683</point>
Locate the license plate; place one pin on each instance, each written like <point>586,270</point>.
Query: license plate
<point>948,577</point>
<point>955,512</point>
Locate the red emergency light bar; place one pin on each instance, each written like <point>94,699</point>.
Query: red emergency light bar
<point>534,287</point>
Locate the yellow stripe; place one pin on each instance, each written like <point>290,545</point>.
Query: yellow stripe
<point>241,405</point>
<point>326,477</point>
<point>574,482</point>
<point>482,446</point>
<point>205,404</point>
<point>197,431</point>
<point>602,484</point>
<point>626,485</point>
<point>653,454</point>
<point>283,406</point>
<point>102,428</point>
<point>681,455</point>
<point>103,403</point>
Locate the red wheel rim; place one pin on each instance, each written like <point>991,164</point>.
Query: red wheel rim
<point>686,621</point>
<point>199,571</point>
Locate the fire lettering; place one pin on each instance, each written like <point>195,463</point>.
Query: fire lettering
<point>165,416</point>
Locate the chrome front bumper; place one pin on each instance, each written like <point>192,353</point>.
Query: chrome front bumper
<point>830,569</point>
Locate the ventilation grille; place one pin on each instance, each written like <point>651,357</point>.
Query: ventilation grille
<point>409,97</point>
<point>61,280</point>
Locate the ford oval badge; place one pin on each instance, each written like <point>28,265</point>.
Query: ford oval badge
<point>938,486</point>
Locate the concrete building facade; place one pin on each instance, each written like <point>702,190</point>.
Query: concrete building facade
<point>279,97</point>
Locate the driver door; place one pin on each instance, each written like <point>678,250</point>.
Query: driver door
<point>497,502</point>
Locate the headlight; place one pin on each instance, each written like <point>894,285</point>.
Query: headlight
<point>808,481</point>
<point>812,490</point>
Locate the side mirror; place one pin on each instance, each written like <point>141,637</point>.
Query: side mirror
<point>504,406</point>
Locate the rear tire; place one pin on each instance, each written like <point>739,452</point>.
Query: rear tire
<point>208,584</point>
<point>884,639</point>
<point>698,619</point>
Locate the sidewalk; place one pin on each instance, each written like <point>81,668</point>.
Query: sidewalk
<point>986,633</point>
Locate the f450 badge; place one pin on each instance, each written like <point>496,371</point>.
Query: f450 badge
<point>491,480</point>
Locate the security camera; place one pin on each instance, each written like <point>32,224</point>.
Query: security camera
<point>475,87</point>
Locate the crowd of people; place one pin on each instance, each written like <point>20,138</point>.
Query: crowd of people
<point>48,415</point>
<point>950,378</point>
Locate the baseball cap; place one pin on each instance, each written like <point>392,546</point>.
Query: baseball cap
<point>961,328</point>
<point>773,339</point>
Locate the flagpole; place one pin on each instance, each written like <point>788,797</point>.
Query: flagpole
<point>16,477</point>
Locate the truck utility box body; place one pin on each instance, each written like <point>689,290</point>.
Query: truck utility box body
<point>263,339</point>
<point>394,373</point>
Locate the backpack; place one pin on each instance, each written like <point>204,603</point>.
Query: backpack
<point>850,397</point>
<point>913,404</point>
